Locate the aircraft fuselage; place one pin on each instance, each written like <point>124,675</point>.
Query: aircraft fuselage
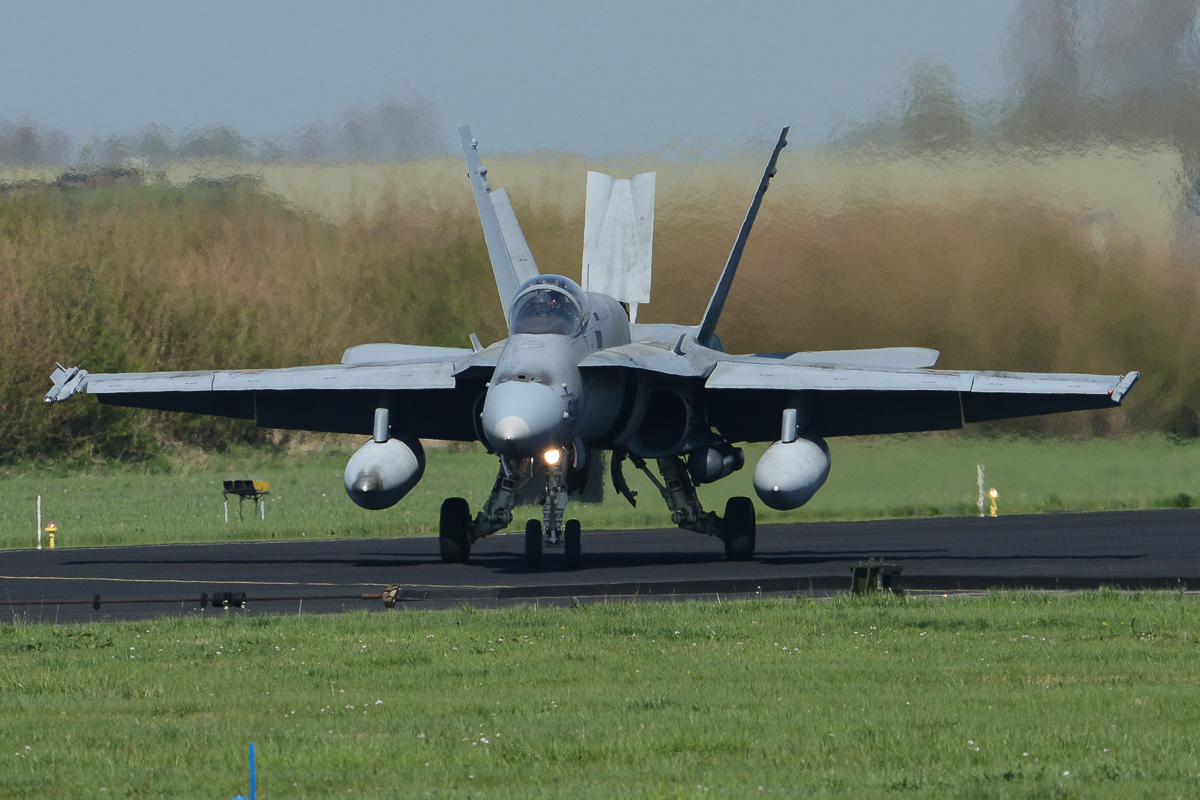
<point>539,400</point>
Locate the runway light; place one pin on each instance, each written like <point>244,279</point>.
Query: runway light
<point>552,457</point>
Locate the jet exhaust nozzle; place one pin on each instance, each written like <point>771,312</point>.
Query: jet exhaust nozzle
<point>381,473</point>
<point>789,473</point>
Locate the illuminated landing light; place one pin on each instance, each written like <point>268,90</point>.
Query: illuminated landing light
<point>552,456</point>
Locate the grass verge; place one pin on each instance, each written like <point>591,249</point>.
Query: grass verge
<point>1013,695</point>
<point>871,479</point>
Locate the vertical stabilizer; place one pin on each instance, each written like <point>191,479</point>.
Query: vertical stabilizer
<point>519,256</point>
<point>618,237</point>
<point>708,325</point>
<point>512,263</point>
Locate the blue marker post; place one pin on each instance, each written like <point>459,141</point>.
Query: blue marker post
<point>240,797</point>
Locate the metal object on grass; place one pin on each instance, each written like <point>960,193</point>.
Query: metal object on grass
<point>256,491</point>
<point>871,575</point>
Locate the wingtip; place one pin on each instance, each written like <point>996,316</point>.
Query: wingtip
<point>1123,386</point>
<point>66,383</point>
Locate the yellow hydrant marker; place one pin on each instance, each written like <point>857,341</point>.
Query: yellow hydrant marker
<point>992,493</point>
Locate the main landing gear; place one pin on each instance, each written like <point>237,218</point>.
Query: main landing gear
<point>736,530</point>
<point>458,531</point>
<point>454,530</point>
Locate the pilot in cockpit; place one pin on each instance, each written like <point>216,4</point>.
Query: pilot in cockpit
<point>546,306</point>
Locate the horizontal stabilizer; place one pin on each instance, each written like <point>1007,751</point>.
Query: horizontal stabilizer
<point>618,237</point>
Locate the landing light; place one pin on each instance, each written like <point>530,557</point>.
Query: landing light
<point>552,457</point>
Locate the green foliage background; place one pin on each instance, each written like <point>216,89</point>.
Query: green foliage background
<point>161,277</point>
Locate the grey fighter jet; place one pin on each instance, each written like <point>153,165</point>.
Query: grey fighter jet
<point>578,376</point>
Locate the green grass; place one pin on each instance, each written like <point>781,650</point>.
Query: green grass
<point>871,479</point>
<point>869,697</point>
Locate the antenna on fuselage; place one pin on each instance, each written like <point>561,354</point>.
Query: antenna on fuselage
<point>708,325</point>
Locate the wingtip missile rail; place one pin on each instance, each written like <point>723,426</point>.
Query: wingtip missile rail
<point>1122,388</point>
<point>66,383</point>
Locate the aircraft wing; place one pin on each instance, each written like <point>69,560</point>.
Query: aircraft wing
<point>425,396</point>
<point>745,398</point>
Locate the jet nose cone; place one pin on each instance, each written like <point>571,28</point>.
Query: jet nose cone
<point>511,431</point>
<point>521,419</point>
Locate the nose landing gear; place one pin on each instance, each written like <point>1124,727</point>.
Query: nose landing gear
<point>458,531</point>
<point>570,538</point>
<point>552,530</point>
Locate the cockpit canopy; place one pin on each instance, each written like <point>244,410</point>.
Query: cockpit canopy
<point>548,304</point>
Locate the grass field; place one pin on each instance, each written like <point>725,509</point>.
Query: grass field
<point>871,478</point>
<point>1008,696</point>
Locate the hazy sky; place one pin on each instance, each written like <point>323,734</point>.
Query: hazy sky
<point>589,77</point>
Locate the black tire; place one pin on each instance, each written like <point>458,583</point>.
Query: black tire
<point>454,530</point>
<point>739,533</point>
<point>533,544</point>
<point>572,544</point>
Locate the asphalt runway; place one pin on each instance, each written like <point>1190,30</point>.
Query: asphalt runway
<point>1129,550</point>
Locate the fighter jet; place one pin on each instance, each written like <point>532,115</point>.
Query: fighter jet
<point>578,376</point>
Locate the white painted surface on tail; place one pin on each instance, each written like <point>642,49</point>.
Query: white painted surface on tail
<point>618,237</point>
